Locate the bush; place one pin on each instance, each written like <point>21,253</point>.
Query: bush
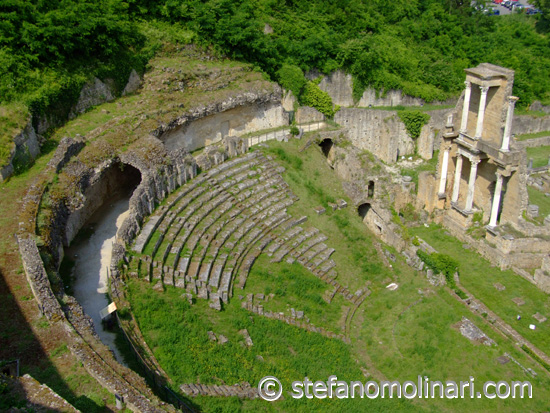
<point>440,263</point>
<point>292,78</point>
<point>313,96</point>
<point>413,120</point>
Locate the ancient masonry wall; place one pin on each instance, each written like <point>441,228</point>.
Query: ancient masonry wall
<point>161,173</point>
<point>86,346</point>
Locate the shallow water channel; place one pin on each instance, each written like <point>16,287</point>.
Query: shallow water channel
<point>92,257</point>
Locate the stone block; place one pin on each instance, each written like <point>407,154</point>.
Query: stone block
<point>320,210</point>
<point>518,301</point>
<point>539,317</point>
<point>532,211</point>
<point>341,203</point>
<point>499,286</point>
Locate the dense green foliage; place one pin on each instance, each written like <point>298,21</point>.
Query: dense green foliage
<point>413,120</point>
<point>313,96</point>
<point>49,49</point>
<point>420,47</point>
<point>292,78</point>
<point>440,263</point>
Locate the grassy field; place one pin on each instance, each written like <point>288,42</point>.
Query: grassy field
<point>527,136</point>
<point>395,335</point>
<point>539,155</point>
<point>478,276</point>
<point>538,198</point>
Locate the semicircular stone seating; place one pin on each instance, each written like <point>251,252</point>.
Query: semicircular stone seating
<point>206,235</point>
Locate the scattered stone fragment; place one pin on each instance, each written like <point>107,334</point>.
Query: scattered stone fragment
<point>222,339</point>
<point>341,203</point>
<point>503,360</point>
<point>212,336</point>
<point>216,303</point>
<point>473,333</point>
<point>518,300</point>
<point>499,286</point>
<point>188,297</point>
<point>260,296</point>
<point>539,317</point>
<point>260,358</point>
<point>320,210</point>
<point>333,206</point>
<point>247,339</point>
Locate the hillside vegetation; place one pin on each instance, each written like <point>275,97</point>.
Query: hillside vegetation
<point>49,49</point>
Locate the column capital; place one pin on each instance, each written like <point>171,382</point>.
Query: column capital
<point>484,89</point>
<point>468,84</point>
<point>474,162</point>
<point>512,99</point>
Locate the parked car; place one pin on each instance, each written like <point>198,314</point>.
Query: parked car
<point>532,10</point>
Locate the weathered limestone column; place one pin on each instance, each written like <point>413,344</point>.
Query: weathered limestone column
<point>466,107</point>
<point>496,201</point>
<point>443,177</point>
<point>458,172</point>
<point>471,185</point>
<point>508,127</point>
<point>481,112</point>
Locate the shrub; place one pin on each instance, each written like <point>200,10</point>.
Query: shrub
<point>440,263</point>
<point>413,120</point>
<point>313,96</point>
<point>292,78</point>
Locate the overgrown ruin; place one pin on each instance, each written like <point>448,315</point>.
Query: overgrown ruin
<point>209,202</point>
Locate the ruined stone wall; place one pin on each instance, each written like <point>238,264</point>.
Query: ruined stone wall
<point>339,85</point>
<point>534,143</point>
<point>26,147</point>
<point>380,132</point>
<point>80,338</point>
<point>212,127</point>
<point>426,196</point>
<point>530,124</point>
<point>485,187</point>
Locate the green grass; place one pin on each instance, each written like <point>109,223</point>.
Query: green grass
<point>539,155</point>
<point>289,353</point>
<point>389,339</point>
<point>538,198</point>
<point>533,113</point>
<point>13,118</point>
<point>425,108</point>
<point>479,277</point>
<point>295,287</point>
<point>527,136</point>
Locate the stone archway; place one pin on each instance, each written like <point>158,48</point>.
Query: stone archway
<point>326,146</point>
<point>363,210</point>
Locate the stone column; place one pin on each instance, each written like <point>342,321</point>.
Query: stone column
<point>458,172</point>
<point>471,186</point>
<point>508,127</point>
<point>496,201</point>
<point>466,107</point>
<point>481,113</point>
<point>443,177</point>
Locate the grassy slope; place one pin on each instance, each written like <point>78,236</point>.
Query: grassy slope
<point>389,339</point>
<point>478,276</point>
<point>538,198</point>
<point>539,155</point>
